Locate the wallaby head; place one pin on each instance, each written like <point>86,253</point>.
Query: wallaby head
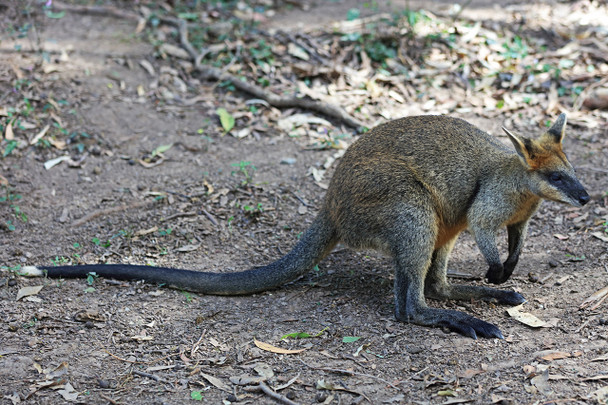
<point>551,174</point>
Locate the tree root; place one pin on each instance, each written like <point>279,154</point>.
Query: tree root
<point>272,394</point>
<point>212,73</point>
<point>103,11</point>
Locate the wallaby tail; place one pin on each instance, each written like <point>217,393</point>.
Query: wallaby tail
<point>316,242</point>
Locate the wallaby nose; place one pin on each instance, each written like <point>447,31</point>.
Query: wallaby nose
<point>584,199</point>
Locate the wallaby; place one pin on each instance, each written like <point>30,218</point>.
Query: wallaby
<point>407,189</point>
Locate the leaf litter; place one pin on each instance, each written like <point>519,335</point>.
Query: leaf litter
<point>448,66</point>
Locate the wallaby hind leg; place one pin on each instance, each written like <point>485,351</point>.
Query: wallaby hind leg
<point>436,285</point>
<point>413,251</point>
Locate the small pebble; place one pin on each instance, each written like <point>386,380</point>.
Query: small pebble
<point>288,161</point>
<point>103,383</point>
<point>533,277</point>
<point>553,263</point>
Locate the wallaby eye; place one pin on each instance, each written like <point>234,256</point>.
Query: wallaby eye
<point>555,177</point>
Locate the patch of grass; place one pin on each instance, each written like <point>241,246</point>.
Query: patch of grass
<point>12,198</point>
<point>246,169</point>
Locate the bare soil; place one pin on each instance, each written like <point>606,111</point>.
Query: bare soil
<point>137,343</point>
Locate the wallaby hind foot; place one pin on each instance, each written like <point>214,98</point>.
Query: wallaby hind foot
<point>455,321</point>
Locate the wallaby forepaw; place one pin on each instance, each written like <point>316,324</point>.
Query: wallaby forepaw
<point>473,327</point>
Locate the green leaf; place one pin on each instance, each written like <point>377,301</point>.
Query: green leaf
<point>58,15</point>
<point>352,14</point>
<point>350,339</point>
<point>12,144</point>
<point>161,149</point>
<point>296,335</point>
<point>226,119</point>
<point>196,395</point>
<point>89,289</point>
<point>304,335</point>
<point>447,393</point>
<point>188,16</point>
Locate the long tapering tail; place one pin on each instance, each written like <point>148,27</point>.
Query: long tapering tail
<point>316,242</point>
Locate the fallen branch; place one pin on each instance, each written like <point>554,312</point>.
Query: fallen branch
<point>275,395</point>
<point>353,373</point>
<point>212,73</point>
<point>103,11</point>
<point>107,211</point>
<point>152,377</point>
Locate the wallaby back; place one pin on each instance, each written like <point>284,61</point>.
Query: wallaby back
<point>435,161</point>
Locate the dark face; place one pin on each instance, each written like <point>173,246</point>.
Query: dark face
<point>563,186</point>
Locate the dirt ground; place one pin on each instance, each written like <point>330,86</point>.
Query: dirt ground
<point>137,343</point>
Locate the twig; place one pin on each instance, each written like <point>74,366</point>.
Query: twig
<point>580,328</point>
<point>110,210</point>
<point>301,200</point>
<point>148,375</point>
<point>275,395</point>
<point>110,400</point>
<point>210,217</point>
<point>196,346</point>
<point>578,103</point>
<point>151,376</point>
<point>213,73</point>
<point>341,371</point>
<point>178,215</point>
<point>135,361</point>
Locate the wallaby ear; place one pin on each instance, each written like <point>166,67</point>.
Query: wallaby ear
<point>558,129</point>
<point>523,146</point>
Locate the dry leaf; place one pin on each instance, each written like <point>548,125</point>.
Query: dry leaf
<point>40,135</point>
<point>264,370</point>
<point>541,382</point>
<point>68,392</point>
<point>143,232</point>
<point>216,382</point>
<point>526,318</point>
<point>600,236</point>
<point>550,355</point>
<point>142,338</point>
<point>49,164</point>
<point>470,373</point>
<point>598,297</point>
<point>27,291</point>
<point>8,132</point>
<point>173,50</point>
<point>601,395</point>
<point>270,348</point>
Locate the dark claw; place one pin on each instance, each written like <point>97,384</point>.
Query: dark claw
<point>511,298</point>
<point>473,327</point>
